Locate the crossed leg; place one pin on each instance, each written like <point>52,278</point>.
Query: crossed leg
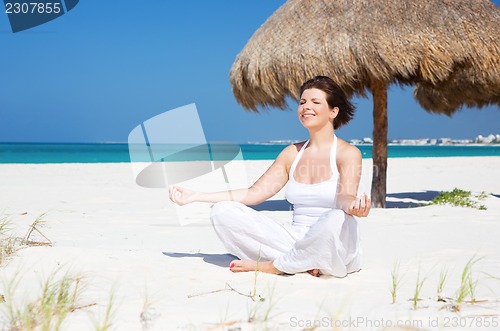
<point>267,246</point>
<point>267,267</point>
<point>249,265</point>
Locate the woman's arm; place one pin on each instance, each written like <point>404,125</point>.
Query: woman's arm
<point>349,165</point>
<point>270,183</point>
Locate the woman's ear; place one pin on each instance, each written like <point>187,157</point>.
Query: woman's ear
<point>334,112</point>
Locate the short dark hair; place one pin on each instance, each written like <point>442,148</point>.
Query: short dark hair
<point>335,97</point>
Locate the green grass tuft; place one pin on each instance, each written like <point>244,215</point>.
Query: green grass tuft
<point>443,275</point>
<point>460,198</point>
<point>467,284</point>
<point>48,311</point>
<point>395,280</point>
<point>418,289</point>
<point>105,322</point>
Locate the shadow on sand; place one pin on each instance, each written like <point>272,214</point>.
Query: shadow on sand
<point>221,260</point>
<point>396,200</point>
<point>410,199</point>
<point>273,205</point>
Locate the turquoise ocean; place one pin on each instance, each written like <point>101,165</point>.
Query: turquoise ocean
<point>97,153</point>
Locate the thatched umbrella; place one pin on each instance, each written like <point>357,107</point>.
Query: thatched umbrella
<point>450,49</point>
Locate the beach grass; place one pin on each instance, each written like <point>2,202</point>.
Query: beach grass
<point>4,224</point>
<point>256,275</point>
<point>104,321</point>
<point>443,275</point>
<point>260,310</point>
<point>10,244</point>
<point>395,280</point>
<point>467,285</point>
<point>8,247</point>
<point>460,198</point>
<point>148,313</point>
<point>340,311</point>
<point>472,284</point>
<point>35,227</point>
<point>418,289</point>
<point>58,298</point>
<point>7,242</point>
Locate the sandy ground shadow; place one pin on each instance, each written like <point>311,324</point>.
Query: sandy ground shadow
<point>274,205</point>
<point>221,260</point>
<point>395,200</point>
<point>410,199</point>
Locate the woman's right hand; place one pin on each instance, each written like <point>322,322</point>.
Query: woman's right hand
<point>360,207</point>
<point>181,195</point>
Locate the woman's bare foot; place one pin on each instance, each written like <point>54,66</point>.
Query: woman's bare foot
<point>249,265</point>
<point>314,272</point>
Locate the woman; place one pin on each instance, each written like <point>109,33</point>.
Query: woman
<point>322,174</point>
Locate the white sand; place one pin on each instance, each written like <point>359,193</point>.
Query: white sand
<point>127,239</point>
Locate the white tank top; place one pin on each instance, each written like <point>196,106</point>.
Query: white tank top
<point>311,200</point>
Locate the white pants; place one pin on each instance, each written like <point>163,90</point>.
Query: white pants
<point>330,245</point>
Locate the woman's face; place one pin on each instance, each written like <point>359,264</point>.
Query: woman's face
<point>313,109</point>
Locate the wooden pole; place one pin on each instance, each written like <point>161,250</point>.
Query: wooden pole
<point>379,152</point>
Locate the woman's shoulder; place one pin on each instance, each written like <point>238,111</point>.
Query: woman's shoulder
<point>294,148</point>
<point>289,153</point>
<point>346,150</point>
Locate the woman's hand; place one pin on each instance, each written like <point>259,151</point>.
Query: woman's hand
<point>360,207</point>
<point>181,196</point>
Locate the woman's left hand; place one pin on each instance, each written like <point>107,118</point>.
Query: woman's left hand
<point>182,196</point>
<point>360,207</point>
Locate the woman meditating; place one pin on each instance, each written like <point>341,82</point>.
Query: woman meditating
<point>321,176</point>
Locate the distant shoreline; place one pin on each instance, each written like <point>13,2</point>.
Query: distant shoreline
<point>110,153</point>
<point>490,140</point>
<point>250,143</point>
<point>357,143</point>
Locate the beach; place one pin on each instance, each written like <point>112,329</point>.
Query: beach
<point>160,272</point>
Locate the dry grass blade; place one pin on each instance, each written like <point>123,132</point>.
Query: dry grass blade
<point>4,225</point>
<point>210,292</point>
<point>34,227</point>
<point>8,244</point>
<point>251,296</point>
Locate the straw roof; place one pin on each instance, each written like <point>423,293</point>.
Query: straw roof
<point>449,49</point>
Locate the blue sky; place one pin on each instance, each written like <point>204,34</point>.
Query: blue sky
<point>101,69</point>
